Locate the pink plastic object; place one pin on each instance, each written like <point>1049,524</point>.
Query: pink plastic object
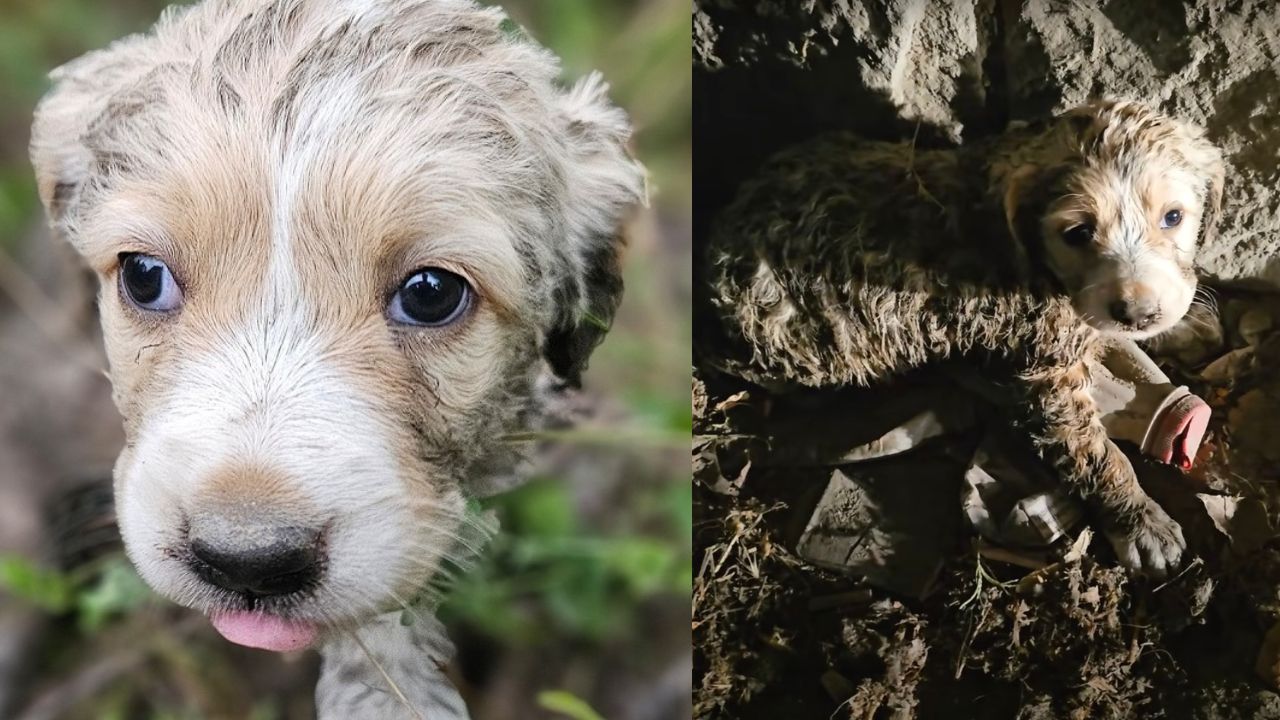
<point>1177,430</point>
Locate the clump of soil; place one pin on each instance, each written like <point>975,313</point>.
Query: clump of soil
<point>889,641</point>
<point>1071,634</point>
<point>1068,636</point>
<point>745,583</point>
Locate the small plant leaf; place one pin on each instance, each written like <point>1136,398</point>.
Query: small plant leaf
<point>567,704</point>
<point>595,321</point>
<point>48,590</point>
<point>117,590</point>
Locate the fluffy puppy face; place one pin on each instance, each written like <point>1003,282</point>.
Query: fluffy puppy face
<point>339,244</point>
<point>1119,202</point>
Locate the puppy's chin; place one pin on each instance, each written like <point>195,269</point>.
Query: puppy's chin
<point>1116,330</point>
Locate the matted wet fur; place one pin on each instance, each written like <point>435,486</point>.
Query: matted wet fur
<point>292,163</point>
<point>847,262</point>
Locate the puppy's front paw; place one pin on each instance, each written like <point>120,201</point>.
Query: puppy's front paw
<point>1146,539</point>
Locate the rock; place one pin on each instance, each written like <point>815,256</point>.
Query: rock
<point>1227,368</point>
<point>893,70</point>
<point>1195,339</point>
<point>891,522</point>
<point>925,58</point>
<point>1254,324</point>
<point>1267,665</point>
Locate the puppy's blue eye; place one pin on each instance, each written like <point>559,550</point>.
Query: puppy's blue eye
<point>147,283</point>
<point>1173,218</point>
<point>431,297</point>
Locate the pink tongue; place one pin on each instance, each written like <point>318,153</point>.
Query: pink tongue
<point>258,630</point>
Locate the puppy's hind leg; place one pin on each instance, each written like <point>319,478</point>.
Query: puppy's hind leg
<point>1066,428</point>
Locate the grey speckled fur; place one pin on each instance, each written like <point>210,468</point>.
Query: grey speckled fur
<point>351,686</point>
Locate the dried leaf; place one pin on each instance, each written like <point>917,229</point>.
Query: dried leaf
<point>1243,520</point>
<point>1080,547</point>
<point>742,397</point>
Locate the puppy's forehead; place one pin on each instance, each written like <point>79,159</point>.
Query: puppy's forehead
<point>1105,188</point>
<point>339,223</point>
<point>354,217</point>
<point>340,129</point>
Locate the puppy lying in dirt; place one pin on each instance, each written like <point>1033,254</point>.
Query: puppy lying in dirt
<point>345,247</point>
<point>846,262</point>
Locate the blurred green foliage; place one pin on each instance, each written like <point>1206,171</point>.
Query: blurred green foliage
<point>643,50</point>
<point>48,590</point>
<point>93,594</point>
<point>552,572</point>
<point>568,705</point>
<point>548,574</point>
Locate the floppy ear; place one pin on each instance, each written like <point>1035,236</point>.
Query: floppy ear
<point>1029,190</point>
<point>1018,213</point>
<point>1207,159</point>
<point>1212,203</point>
<point>82,93</point>
<point>604,183</point>
<point>1028,187</point>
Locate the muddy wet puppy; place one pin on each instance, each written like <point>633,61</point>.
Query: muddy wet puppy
<point>847,262</point>
<point>345,247</point>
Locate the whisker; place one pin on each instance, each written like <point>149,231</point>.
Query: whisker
<point>407,607</point>
<point>394,687</point>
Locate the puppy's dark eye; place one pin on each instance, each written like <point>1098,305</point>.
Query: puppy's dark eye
<point>146,282</point>
<point>430,297</point>
<point>1171,219</point>
<point>1078,235</point>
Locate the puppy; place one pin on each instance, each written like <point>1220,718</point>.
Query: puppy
<point>846,262</point>
<point>345,247</point>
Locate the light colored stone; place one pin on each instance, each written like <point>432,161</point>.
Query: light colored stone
<point>1255,324</point>
<point>891,522</point>
<point>924,57</point>
<point>1227,368</point>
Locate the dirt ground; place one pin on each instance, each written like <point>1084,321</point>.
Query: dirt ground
<point>999,633</point>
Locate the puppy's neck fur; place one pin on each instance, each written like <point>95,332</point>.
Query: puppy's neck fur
<point>386,669</point>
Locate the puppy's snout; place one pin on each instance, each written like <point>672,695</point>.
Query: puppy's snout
<point>257,561</point>
<point>1139,312</point>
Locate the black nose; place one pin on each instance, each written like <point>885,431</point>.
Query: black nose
<point>1139,314</point>
<point>277,562</point>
